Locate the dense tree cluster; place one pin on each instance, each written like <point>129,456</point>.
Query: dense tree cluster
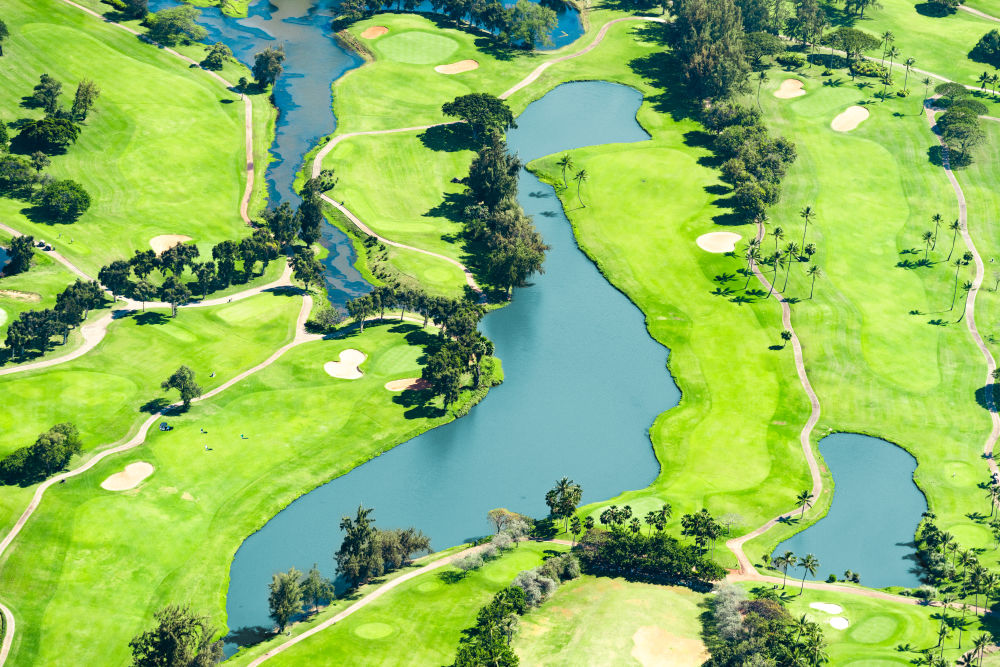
<point>754,161</point>
<point>267,65</point>
<point>484,113</point>
<point>48,455</point>
<point>34,329</point>
<point>760,632</point>
<point>960,125</point>
<point>707,38</point>
<point>369,552</point>
<point>19,255</point>
<point>181,638</point>
<point>216,57</point>
<point>175,25</point>
<point>987,49</point>
<point>851,41</point>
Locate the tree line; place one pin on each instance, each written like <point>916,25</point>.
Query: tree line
<point>526,22</point>
<point>24,157</point>
<point>49,454</point>
<point>33,330</point>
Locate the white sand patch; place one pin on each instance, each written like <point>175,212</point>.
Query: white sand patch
<point>3,316</point>
<point>347,367</point>
<point>718,241</point>
<point>374,31</point>
<point>790,88</point>
<point>655,647</point>
<point>406,383</point>
<point>187,496</point>
<point>457,68</point>
<point>166,241</point>
<point>850,118</point>
<point>838,623</point>
<point>30,297</point>
<point>827,607</point>
<point>128,478</point>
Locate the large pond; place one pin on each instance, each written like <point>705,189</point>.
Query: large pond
<point>875,511</point>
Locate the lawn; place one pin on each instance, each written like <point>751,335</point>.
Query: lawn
<point>604,621</point>
<point>123,555</point>
<point>418,623</point>
<point>143,180</point>
<point>33,289</point>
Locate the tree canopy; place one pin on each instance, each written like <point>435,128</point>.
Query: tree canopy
<point>183,381</point>
<point>267,65</point>
<point>180,638</point>
<point>176,25</point>
<point>483,112</point>
<point>707,36</point>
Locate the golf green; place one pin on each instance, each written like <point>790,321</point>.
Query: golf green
<point>417,47</point>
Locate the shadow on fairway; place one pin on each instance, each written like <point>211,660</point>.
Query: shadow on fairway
<point>986,398</point>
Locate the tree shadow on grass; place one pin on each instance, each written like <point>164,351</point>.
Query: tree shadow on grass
<point>985,397</point>
<point>452,576</point>
<point>150,317</point>
<point>155,405</point>
<point>448,138</point>
<point>452,207</point>
<point>661,70</point>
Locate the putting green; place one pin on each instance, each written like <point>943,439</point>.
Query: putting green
<point>373,630</point>
<point>417,47</point>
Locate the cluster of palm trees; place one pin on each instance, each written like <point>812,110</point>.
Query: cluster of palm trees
<point>581,176</point>
<point>989,79</point>
<point>755,255</point>
<point>930,238</point>
<point>809,564</point>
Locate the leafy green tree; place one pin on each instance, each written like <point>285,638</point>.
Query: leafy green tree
<point>50,135</point>
<point>50,453</point>
<point>46,94</point>
<point>316,588</point>
<point>760,45</point>
<point>284,599</point>
<point>531,23</point>
<point>356,557</point>
<point>180,638</point>
<point>64,200</point>
<point>306,267</point>
<point>144,291</point>
<point>176,25</point>
<point>217,56</point>
<point>178,256</point>
<point>136,9</point>
<point>205,275</point>
<point>174,292</point>
<point>83,101</point>
<point>443,371</point>
<point>115,277</point>
<point>987,49</point>
<point>39,161</point>
<point>484,113</point>
<point>17,175</point>
<point>563,498</point>
<point>267,65</point>
<point>143,263</point>
<point>19,255</point>
<point>4,34</point>
<point>707,37</point>
<point>493,174</point>
<point>282,224</point>
<point>183,381</point>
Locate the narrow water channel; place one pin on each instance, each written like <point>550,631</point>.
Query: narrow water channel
<point>875,511</point>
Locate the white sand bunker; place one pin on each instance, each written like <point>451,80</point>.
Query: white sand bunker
<point>790,88</point>
<point>3,316</point>
<point>17,295</point>
<point>166,241</point>
<point>406,383</point>
<point>374,31</point>
<point>128,478</point>
<point>655,647</point>
<point>838,623</point>
<point>827,607</point>
<point>457,68</point>
<point>347,367</point>
<point>849,119</point>
<point>718,241</point>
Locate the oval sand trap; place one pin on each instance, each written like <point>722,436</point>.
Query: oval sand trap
<point>347,367</point>
<point>838,623</point>
<point>128,478</point>
<point>406,383</point>
<point>849,119</point>
<point>457,68</point>
<point>718,241</point>
<point>655,647</point>
<point>3,316</point>
<point>827,607</point>
<point>790,88</point>
<point>166,241</point>
<point>374,31</point>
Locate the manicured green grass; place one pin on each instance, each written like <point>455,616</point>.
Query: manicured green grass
<point>603,621</point>
<point>162,152</point>
<point>419,623</point>
<point>123,555</point>
<point>417,47</point>
<point>39,286</point>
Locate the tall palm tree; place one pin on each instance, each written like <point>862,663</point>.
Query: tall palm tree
<point>761,80</point>
<point>979,645</point>
<point>791,251</point>
<point>775,261</point>
<point>752,255</point>
<point>927,86</point>
<point>778,233</point>
<point>928,239</point>
<point>580,178</point>
<point>813,272</point>
<point>783,562</point>
<point>809,565</point>
<point>566,162</point>
<point>910,62</point>
<point>887,39</point>
<point>954,295</point>
<point>966,288</point>
<point>954,226</point>
<point>893,53</point>
<point>936,219</point>
<point>807,214</point>
<point>983,79</point>
<point>994,79</point>
<point>803,500</point>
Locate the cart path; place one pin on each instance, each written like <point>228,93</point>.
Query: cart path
<point>976,12</point>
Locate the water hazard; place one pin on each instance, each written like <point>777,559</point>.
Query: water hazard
<point>876,508</point>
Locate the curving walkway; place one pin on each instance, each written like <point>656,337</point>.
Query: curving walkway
<point>976,12</point>
<point>53,254</point>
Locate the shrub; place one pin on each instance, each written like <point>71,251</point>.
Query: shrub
<point>325,320</point>
<point>869,68</point>
<point>536,586</point>
<point>726,609</point>
<point>790,60</point>
<point>473,561</point>
<point>489,552</point>
<point>925,592</point>
<point>987,50</point>
<point>503,542</point>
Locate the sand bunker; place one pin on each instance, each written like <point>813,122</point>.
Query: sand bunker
<point>347,367</point>
<point>128,478</point>
<point>30,297</point>
<point>655,647</point>
<point>3,316</point>
<point>406,383</point>
<point>827,607</point>
<point>166,241</point>
<point>790,88</point>
<point>457,68</point>
<point>838,623</point>
<point>849,119</point>
<point>718,241</point>
<point>374,31</point>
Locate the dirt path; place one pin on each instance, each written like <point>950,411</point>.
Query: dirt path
<point>976,12</point>
<point>53,254</point>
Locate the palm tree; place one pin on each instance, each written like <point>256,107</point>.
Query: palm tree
<point>775,261</point>
<point>791,251</point>
<point>814,272</point>
<point>928,239</point>
<point>927,86</point>
<point>983,79</point>
<point>803,500</point>
<point>936,219</point>
<point>954,295</point>
<point>910,62</point>
<point>893,53</point>
<point>807,214</point>
<point>580,177</point>
<point>778,233</point>
<point>954,227</point>
<point>566,162</point>
<point>809,565</point>
<point>751,256</point>
<point>783,562</point>
<point>979,645</point>
<point>994,79</point>
<point>966,288</point>
<point>761,80</point>
<point>887,39</point>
